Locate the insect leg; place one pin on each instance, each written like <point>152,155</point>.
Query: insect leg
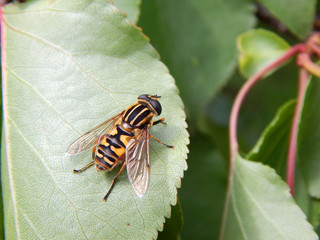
<point>84,168</point>
<point>159,121</point>
<point>113,182</point>
<point>160,141</point>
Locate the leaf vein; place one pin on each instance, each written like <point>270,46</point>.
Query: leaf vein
<point>43,99</point>
<point>257,205</point>
<point>30,223</point>
<point>65,53</point>
<point>47,168</point>
<point>104,221</point>
<point>242,229</point>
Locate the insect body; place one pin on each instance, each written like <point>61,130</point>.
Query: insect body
<point>123,138</point>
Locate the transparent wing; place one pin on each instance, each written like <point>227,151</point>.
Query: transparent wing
<point>138,163</point>
<point>88,139</point>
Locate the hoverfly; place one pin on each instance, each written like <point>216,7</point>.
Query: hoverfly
<point>123,138</point>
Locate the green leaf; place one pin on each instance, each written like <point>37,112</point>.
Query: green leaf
<point>2,146</point>
<point>130,7</point>
<point>257,112</point>
<point>8,201</point>
<point>68,66</point>
<point>297,15</point>
<point>309,138</point>
<point>173,225</point>
<point>197,40</point>
<point>203,193</point>
<point>309,205</point>
<point>261,207</point>
<point>272,147</point>
<point>258,48</point>
<point>314,214</point>
<point>3,156</point>
<point>301,195</point>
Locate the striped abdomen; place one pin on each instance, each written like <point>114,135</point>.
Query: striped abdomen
<point>110,152</point>
<point>137,115</point>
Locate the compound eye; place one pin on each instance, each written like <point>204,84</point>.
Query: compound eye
<point>152,102</point>
<point>156,105</point>
<point>144,96</point>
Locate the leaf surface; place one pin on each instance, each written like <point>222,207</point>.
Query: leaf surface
<point>297,15</point>
<point>260,206</point>
<point>69,66</point>
<point>203,193</point>
<point>130,7</point>
<point>197,40</point>
<point>309,138</point>
<point>272,147</point>
<point>258,48</point>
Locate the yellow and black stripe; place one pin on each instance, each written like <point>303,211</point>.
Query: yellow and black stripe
<point>112,139</point>
<point>137,115</point>
<point>111,149</point>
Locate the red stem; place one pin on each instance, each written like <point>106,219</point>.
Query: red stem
<point>305,61</point>
<point>245,89</point>
<point>291,161</point>
<point>234,119</point>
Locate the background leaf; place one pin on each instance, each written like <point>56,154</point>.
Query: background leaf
<point>309,138</point>
<point>257,112</point>
<point>258,193</point>
<point>203,193</point>
<point>258,48</point>
<point>272,147</point>
<point>295,14</point>
<point>173,225</point>
<point>197,41</point>
<point>67,68</point>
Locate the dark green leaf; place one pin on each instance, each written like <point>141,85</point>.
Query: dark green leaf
<point>263,102</point>
<point>258,48</point>
<point>315,213</point>
<point>203,192</point>
<point>173,225</point>
<point>297,15</point>
<point>309,138</point>
<point>260,206</point>
<point>68,67</point>
<point>309,205</point>
<point>197,40</point>
<point>272,147</point>
<point>301,195</point>
<point>256,113</point>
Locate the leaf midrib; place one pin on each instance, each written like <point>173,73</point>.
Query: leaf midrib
<point>247,191</point>
<point>45,167</point>
<point>65,53</point>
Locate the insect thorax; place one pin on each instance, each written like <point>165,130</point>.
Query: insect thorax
<point>137,115</point>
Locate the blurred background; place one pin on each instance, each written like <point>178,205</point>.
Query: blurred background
<point>197,42</point>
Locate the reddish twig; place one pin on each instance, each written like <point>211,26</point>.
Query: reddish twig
<point>234,119</point>
<point>245,89</point>
<point>291,161</point>
<point>305,61</point>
